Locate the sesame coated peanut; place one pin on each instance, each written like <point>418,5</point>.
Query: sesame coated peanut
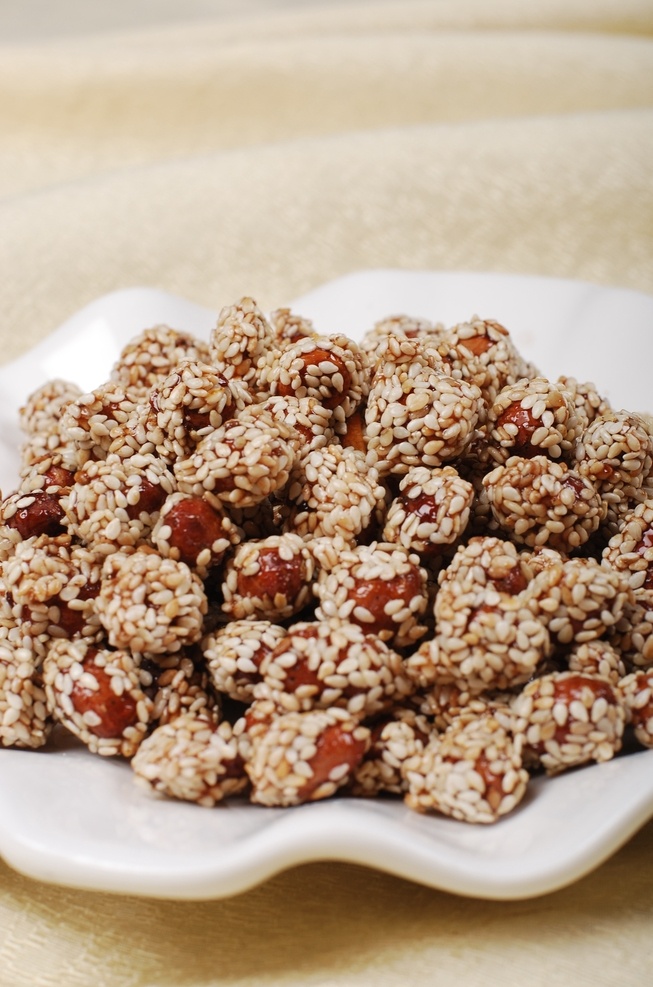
<point>284,566</point>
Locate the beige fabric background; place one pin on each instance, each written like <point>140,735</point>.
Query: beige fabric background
<point>217,148</point>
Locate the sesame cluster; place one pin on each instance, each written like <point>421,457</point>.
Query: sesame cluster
<point>280,565</point>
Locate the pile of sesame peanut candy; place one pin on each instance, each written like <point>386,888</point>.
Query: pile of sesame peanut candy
<point>282,565</point>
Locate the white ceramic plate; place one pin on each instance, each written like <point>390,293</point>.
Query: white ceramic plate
<point>73,818</point>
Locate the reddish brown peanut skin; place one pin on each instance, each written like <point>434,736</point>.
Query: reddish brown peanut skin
<point>195,420</point>
<point>58,476</point>
<point>375,594</point>
<point>116,713</point>
<point>568,689</point>
<point>575,482</point>
<point>42,517</point>
<point>315,357</point>
<point>513,583</point>
<point>526,426</point>
<point>477,345</point>
<point>194,526</point>
<point>334,747</point>
<point>151,499</point>
<point>108,410</point>
<point>71,621</point>
<point>425,508</point>
<point>299,674</point>
<point>256,658</point>
<point>275,576</point>
<point>481,343</point>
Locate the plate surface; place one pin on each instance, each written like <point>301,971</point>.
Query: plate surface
<point>75,819</point>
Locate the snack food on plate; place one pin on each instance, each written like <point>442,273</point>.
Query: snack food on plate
<point>283,566</point>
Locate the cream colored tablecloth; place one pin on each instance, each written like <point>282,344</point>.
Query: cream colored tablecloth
<point>216,149</point>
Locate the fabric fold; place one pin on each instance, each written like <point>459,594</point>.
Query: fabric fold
<point>84,112</point>
<point>566,196</point>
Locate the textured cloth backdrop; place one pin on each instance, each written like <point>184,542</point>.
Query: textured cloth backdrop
<point>266,154</point>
